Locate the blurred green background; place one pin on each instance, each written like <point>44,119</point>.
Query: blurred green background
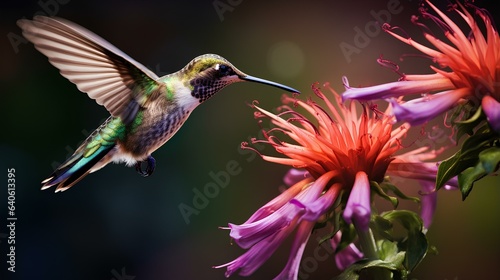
<point>115,223</point>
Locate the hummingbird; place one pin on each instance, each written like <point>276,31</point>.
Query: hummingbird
<point>146,110</point>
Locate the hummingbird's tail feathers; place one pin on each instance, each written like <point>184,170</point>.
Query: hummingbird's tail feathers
<point>74,169</point>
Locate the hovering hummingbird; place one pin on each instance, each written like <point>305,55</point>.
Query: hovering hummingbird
<point>146,110</point>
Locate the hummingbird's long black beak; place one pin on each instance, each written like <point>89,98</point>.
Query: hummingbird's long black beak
<point>269,83</point>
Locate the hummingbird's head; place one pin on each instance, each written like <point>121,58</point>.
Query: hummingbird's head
<point>209,73</point>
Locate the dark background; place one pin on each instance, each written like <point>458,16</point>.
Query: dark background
<point>115,221</point>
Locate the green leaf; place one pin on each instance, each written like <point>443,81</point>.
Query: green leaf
<point>451,167</point>
<point>408,219</point>
<point>466,157</point>
<point>398,256</point>
<point>416,246</point>
<point>415,243</point>
<point>483,137</point>
<point>432,250</point>
<point>467,126</point>
<point>387,249</point>
<point>348,236</point>
<point>348,274</point>
<point>378,189</point>
<point>399,193</point>
<point>489,160</point>
<point>467,178</point>
<point>376,267</point>
<point>383,227</point>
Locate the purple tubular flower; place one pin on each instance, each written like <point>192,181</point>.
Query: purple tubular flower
<point>358,209</point>
<point>411,165</point>
<point>294,176</point>
<point>248,234</point>
<point>315,209</point>
<point>421,110</point>
<point>466,66</point>
<point>348,255</point>
<point>394,89</point>
<point>291,270</point>
<point>275,204</point>
<point>252,259</point>
<point>491,109</point>
<point>428,202</point>
<point>264,232</point>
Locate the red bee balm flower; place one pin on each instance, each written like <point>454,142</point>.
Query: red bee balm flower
<point>339,151</point>
<point>468,68</point>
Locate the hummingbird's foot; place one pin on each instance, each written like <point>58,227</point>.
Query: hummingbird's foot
<point>151,164</point>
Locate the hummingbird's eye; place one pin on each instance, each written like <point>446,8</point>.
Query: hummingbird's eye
<point>224,70</point>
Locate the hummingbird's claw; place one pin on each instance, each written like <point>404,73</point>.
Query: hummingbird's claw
<point>150,168</point>
<point>138,168</point>
<point>151,165</point>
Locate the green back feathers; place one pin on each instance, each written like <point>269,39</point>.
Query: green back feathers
<point>104,136</point>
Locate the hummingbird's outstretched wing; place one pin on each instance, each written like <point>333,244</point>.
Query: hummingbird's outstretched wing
<point>105,73</point>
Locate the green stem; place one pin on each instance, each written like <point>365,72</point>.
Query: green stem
<point>370,251</point>
<point>367,243</point>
